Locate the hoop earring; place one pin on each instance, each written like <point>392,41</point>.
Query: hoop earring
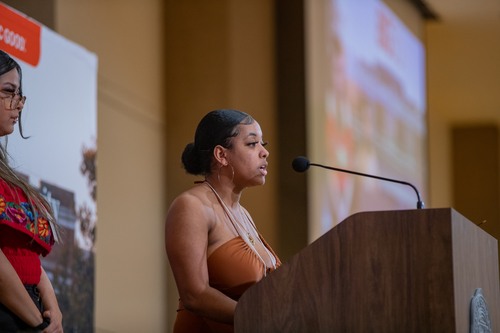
<point>232,175</point>
<point>218,172</point>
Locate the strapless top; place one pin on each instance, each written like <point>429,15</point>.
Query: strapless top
<point>233,267</point>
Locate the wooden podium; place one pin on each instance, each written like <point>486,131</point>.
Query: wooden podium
<point>389,271</point>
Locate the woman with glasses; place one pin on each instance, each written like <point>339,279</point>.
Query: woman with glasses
<point>213,246</point>
<point>27,229</point>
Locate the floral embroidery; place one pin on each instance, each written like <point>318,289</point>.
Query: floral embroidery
<point>22,214</point>
<point>16,214</point>
<point>27,210</point>
<point>43,227</point>
<point>2,204</point>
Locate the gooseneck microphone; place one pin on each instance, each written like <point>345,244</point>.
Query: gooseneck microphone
<point>301,164</point>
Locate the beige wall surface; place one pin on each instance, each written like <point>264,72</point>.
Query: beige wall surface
<point>127,37</point>
<point>463,90</point>
<point>463,85</point>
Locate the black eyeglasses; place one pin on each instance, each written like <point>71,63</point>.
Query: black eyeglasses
<point>13,100</point>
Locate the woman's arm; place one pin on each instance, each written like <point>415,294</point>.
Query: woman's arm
<point>186,240</point>
<point>14,296</point>
<point>50,305</point>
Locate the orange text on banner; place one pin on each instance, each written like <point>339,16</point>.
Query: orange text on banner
<point>19,36</point>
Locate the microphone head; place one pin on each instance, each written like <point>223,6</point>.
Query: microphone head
<point>300,164</point>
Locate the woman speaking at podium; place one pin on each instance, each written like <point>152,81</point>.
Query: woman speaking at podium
<point>213,246</point>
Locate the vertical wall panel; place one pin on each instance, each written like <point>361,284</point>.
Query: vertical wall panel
<point>476,180</point>
<point>291,104</point>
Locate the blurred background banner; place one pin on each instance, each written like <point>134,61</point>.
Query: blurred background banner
<point>367,94</point>
<point>59,157</point>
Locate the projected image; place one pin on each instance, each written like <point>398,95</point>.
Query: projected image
<point>373,112</point>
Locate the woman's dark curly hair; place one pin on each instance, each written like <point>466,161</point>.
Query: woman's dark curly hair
<point>218,127</point>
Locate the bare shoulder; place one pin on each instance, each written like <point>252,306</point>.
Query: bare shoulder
<point>191,206</point>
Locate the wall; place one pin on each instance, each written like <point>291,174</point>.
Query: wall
<point>463,86</point>
<point>127,37</point>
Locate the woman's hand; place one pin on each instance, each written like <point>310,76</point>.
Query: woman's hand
<point>50,305</point>
<point>55,325</point>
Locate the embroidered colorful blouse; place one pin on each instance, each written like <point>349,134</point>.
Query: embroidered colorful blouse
<point>21,239</point>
